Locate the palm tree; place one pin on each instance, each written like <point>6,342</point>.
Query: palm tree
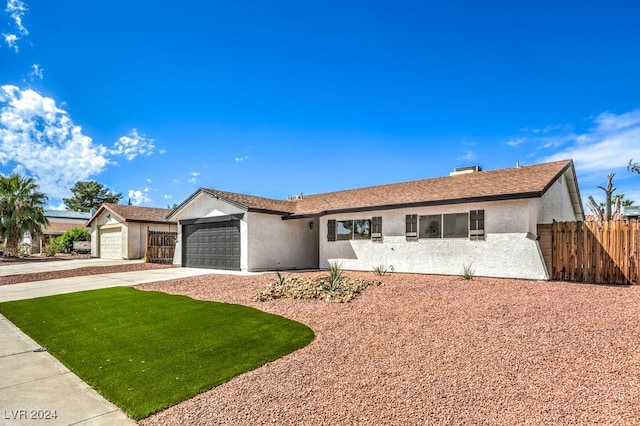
<point>21,210</point>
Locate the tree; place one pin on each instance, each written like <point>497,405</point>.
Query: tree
<point>609,190</point>
<point>21,210</point>
<point>633,167</point>
<point>89,195</point>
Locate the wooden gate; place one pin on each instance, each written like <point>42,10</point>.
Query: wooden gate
<point>593,252</point>
<point>161,246</point>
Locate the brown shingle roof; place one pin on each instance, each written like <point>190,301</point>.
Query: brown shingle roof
<point>511,183</point>
<point>135,213</point>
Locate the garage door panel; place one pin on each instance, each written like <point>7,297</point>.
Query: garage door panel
<point>212,245</point>
<point>111,243</point>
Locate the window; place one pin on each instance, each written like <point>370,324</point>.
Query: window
<point>376,229</point>
<point>331,230</point>
<point>476,224</point>
<point>359,229</point>
<point>454,225</point>
<point>411,230</point>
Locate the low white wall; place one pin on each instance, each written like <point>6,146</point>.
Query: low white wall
<point>275,244</point>
<point>500,255</point>
<point>509,249</point>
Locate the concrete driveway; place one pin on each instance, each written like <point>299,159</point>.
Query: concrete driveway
<point>58,265</point>
<point>35,388</point>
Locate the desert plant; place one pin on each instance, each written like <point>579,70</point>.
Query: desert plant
<point>468,271</point>
<point>282,279</point>
<point>335,276</point>
<point>382,270</point>
<point>50,249</point>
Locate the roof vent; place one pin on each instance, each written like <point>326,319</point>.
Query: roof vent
<point>465,170</point>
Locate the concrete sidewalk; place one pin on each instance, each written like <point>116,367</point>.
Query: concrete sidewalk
<point>34,386</point>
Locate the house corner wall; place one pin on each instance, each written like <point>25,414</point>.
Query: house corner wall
<point>276,244</point>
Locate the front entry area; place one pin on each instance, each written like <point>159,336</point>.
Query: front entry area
<point>214,245</point>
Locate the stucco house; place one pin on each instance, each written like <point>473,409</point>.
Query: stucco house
<point>486,220</point>
<point>120,232</point>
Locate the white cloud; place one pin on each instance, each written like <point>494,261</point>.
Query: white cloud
<point>16,10</point>
<point>516,142</point>
<point>241,159</point>
<point>167,197</point>
<point>608,145</point>
<point>148,180</point>
<point>195,174</point>
<point>468,156</point>
<point>162,151</point>
<point>133,145</point>
<point>193,180</point>
<point>38,137</point>
<point>138,197</point>
<point>36,72</point>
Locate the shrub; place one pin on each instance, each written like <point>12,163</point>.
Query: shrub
<point>65,241</point>
<point>382,270</point>
<point>24,250</point>
<point>335,275</point>
<point>50,249</point>
<point>468,271</point>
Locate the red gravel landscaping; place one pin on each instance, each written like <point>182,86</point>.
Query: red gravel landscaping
<point>434,349</point>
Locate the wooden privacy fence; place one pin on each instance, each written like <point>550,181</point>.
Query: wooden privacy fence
<point>160,246</point>
<point>594,252</point>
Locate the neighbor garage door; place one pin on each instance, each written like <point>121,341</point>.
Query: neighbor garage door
<point>111,243</point>
<point>213,245</point>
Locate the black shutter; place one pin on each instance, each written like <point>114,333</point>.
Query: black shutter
<point>411,221</point>
<point>376,229</point>
<point>476,225</point>
<point>331,230</point>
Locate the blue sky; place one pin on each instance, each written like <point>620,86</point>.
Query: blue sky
<point>156,99</point>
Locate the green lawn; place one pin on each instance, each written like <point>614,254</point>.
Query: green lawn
<point>145,351</point>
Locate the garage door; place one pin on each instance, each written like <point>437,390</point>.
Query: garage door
<point>213,245</point>
<point>111,243</point>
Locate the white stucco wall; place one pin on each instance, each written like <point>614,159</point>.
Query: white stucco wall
<point>274,243</point>
<point>266,241</point>
<point>509,249</point>
<point>204,205</point>
<point>105,219</point>
<point>555,204</point>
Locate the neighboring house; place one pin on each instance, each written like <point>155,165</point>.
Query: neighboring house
<point>120,232</point>
<point>484,220</point>
<point>60,221</point>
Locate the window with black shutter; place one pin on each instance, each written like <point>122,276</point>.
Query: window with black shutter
<point>331,230</point>
<point>476,225</point>
<point>411,232</point>
<point>376,229</point>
